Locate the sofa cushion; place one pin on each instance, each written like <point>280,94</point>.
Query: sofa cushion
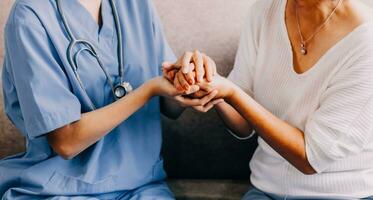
<point>209,189</point>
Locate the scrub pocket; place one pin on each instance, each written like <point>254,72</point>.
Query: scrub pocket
<point>77,185</point>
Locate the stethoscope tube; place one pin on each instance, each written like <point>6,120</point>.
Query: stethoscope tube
<point>73,61</point>
<point>120,40</point>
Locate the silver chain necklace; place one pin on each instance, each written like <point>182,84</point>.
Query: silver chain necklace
<point>304,42</point>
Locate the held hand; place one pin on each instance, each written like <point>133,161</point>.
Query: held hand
<point>220,88</point>
<point>203,68</point>
<point>160,86</point>
<point>224,86</point>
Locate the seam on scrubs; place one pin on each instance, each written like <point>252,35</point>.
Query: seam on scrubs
<point>50,122</point>
<point>24,21</point>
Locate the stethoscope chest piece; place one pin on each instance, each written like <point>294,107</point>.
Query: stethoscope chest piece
<point>122,90</point>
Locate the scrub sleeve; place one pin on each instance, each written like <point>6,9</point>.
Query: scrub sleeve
<point>42,86</point>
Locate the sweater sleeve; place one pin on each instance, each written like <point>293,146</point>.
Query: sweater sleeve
<point>342,125</point>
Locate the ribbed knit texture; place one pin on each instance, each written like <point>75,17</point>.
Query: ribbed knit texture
<point>332,104</point>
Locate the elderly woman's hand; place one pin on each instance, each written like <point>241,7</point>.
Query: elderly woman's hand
<point>224,87</point>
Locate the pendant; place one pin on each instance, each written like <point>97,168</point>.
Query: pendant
<point>303,49</point>
<point>122,90</point>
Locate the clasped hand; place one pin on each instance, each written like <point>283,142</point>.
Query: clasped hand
<point>196,81</point>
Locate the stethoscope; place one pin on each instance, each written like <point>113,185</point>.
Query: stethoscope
<point>120,90</point>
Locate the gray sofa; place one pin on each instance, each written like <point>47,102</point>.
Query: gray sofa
<point>202,160</point>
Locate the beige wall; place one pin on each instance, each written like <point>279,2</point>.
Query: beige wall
<point>5,6</point>
<point>10,141</point>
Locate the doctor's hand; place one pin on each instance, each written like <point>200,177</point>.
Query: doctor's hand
<point>160,86</point>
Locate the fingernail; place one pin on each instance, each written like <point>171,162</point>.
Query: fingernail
<point>188,92</point>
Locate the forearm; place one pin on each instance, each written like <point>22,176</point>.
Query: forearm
<point>287,140</point>
<point>232,119</point>
<point>170,108</point>
<point>76,137</point>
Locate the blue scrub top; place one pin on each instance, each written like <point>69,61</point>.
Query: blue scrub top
<point>42,94</point>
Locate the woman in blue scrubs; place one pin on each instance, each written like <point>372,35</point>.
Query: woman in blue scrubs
<point>74,151</point>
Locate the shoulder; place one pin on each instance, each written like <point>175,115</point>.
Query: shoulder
<point>357,59</point>
<point>27,19</point>
<point>136,6</point>
<point>363,40</point>
<point>29,12</point>
<point>364,9</point>
<point>262,13</point>
<point>262,9</point>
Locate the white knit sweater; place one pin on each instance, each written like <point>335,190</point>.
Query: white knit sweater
<point>332,104</point>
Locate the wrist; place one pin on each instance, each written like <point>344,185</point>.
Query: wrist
<point>150,88</point>
<point>233,90</point>
<point>230,88</point>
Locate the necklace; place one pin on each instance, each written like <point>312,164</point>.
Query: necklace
<point>303,43</point>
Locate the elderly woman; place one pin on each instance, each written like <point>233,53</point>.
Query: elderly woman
<point>303,80</point>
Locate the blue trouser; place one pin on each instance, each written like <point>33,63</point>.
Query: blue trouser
<point>153,191</point>
<point>255,194</point>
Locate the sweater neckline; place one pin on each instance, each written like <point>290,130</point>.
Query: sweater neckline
<point>329,52</point>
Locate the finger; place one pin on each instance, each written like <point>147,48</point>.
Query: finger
<point>199,109</point>
<point>170,75</point>
<point>209,67</point>
<point>198,102</point>
<point>169,65</point>
<point>190,76</point>
<point>182,80</point>
<point>199,94</point>
<point>188,101</point>
<point>193,89</point>
<point>209,106</point>
<point>204,109</point>
<point>178,85</point>
<point>212,103</point>
<point>217,101</point>
<point>208,97</point>
<point>198,61</point>
<point>206,87</point>
<point>213,64</point>
<point>186,61</point>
